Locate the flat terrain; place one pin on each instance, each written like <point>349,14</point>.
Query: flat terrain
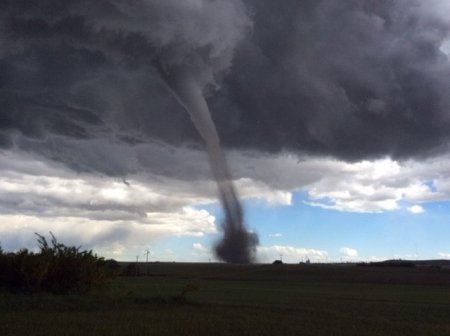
<point>220,299</point>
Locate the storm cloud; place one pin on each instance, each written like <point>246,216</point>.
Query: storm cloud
<point>352,80</point>
<point>348,79</point>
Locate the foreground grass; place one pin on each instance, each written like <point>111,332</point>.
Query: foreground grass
<point>244,300</point>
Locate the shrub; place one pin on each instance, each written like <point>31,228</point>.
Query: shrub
<point>113,266</point>
<point>132,269</point>
<point>28,270</point>
<point>56,268</point>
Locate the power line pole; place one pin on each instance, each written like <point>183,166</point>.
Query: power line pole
<point>146,253</point>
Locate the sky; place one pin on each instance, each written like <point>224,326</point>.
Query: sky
<point>334,118</point>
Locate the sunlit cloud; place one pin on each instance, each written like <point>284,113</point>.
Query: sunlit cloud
<point>199,247</point>
<point>416,209</point>
<point>348,252</point>
<point>445,255</point>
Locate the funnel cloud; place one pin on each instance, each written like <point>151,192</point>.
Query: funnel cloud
<point>238,245</point>
<point>186,80</point>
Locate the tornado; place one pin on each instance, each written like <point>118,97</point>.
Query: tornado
<point>237,245</point>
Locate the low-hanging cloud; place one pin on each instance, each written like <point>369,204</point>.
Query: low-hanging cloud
<point>350,80</point>
<point>86,70</point>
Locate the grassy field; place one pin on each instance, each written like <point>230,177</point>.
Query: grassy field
<point>225,299</point>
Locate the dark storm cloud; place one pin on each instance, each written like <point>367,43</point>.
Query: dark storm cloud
<point>350,79</point>
<point>85,70</point>
<point>346,78</point>
<point>60,75</point>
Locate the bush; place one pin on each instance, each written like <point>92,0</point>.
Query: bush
<point>132,269</point>
<point>28,270</point>
<point>56,268</point>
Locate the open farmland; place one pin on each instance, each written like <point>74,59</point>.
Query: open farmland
<point>221,299</point>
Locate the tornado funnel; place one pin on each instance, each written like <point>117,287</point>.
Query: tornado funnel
<point>237,245</point>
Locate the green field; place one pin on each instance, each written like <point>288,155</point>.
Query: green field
<point>244,300</point>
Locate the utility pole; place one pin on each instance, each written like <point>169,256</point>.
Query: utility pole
<point>146,253</point>
<point>137,265</point>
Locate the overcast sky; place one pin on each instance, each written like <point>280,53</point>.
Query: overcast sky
<point>334,116</point>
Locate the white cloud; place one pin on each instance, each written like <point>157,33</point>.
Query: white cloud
<point>366,186</point>
<point>17,231</point>
<point>445,255</point>
<point>104,213</point>
<point>348,252</point>
<point>290,254</point>
<point>249,188</point>
<point>275,235</point>
<point>199,247</point>
<point>160,197</point>
<point>108,214</point>
<point>416,209</point>
<point>32,185</point>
